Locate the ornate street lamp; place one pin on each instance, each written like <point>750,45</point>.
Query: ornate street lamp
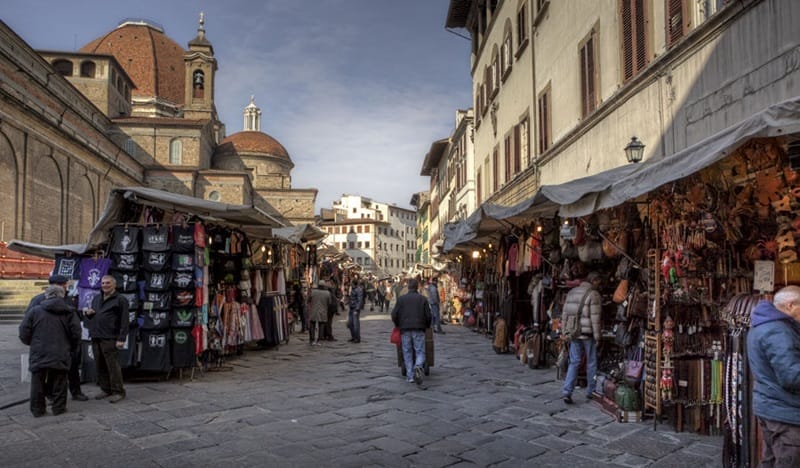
<point>634,151</point>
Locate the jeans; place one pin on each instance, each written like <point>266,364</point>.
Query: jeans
<point>781,444</point>
<point>413,341</point>
<point>354,324</point>
<point>436,321</point>
<point>109,371</point>
<point>577,348</point>
<point>48,382</point>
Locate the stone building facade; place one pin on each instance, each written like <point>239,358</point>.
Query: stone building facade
<point>130,108</point>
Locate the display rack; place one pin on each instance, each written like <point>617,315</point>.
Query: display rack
<point>652,341</point>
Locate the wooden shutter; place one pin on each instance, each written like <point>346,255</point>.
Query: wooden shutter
<point>517,154</point>
<point>588,85</point>
<point>675,23</point>
<point>634,37</point>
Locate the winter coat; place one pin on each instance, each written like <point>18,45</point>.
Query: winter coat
<point>110,320</point>
<point>356,298</point>
<point>412,312</point>
<point>773,349</point>
<point>52,330</point>
<point>592,308</point>
<point>318,301</point>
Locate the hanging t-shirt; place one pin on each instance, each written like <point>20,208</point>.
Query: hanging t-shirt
<point>183,280</point>
<point>86,296</point>
<point>160,300</point>
<point>183,318</point>
<point>67,266</point>
<point>512,257</point>
<point>125,261</point>
<point>155,319</point>
<point>126,280</point>
<point>183,262</point>
<point>127,355</point>
<point>133,301</point>
<point>183,238</point>
<point>155,261</point>
<point>155,351</point>
<point>182,348</point>
<point>92,271</point>
<point>199,235</point>
<point>125,239</point>
<point>156,238</point>
<point>156,280</point>
<point>183,298</point>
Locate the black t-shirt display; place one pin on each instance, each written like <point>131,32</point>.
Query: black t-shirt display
<point>155,350</point>
<point>156,238</point>
<point>155,261</point>
<point>182,347</point>
<point>125,239</point>
<point>183,238</point>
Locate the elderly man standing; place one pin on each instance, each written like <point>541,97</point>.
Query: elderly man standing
<point>52,331</point>
<point>412,315</point>
<point>319,300</point>
<point>108,324</point>
<point>773,349</point>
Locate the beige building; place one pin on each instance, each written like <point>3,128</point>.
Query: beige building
<point>383,236</point>
<point>560,88</point>
<point>131,107</point>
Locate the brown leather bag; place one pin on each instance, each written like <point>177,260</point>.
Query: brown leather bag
<point>621,292</point>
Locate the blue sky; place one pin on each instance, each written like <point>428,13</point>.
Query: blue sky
<point>356,90</point>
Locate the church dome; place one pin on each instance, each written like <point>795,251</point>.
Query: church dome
<point>253,143</point>
<point>154,62</point>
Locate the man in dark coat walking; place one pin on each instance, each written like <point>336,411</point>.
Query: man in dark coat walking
<point>52,331</point>
<point>412,315</point>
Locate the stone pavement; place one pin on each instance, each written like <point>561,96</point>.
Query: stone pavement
<point>342,405</point>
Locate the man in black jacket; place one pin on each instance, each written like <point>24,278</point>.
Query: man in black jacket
<point>52,331</point>
<point>73,376</point>
<point>108,324</point>
<point>412,315</point>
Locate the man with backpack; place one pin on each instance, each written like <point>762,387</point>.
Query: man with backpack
<point>581,326</point>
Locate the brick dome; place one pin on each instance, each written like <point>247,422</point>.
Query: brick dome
<point>253,143</point>
<point>152,60</point>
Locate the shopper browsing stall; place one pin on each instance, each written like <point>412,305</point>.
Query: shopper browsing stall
<point>584,300</point>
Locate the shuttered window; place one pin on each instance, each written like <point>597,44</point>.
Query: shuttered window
<point>508,147</point>
<point>495,170</point>
<point>517,155</point>
<point>543,110</point>
<point>588,61</point>
<point>634,37</point>
<point>676,21</point>
<point>479,187</point>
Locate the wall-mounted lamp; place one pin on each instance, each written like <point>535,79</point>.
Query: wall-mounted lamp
<point>476,254</point>
<point>634,150</point>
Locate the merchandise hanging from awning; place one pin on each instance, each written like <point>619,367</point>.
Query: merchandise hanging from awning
<point>252,220</point>
<point>613,187</point>
<point>777,120</point>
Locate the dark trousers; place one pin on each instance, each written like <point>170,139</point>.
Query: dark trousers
<point>109,372</point>
<point>74,375</point>
<point>781,444</point>
<point>328,331</point>
<point>48,382</point>
<point>316,331</point>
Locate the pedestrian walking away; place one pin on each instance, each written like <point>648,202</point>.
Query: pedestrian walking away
<point>433,301</point>
<point>412,315</point>
<point>52,331</point>
<point>356,306</point>
<point>108,323</point>
<point>318,302</point>
<point>773,349</point>
<point>585,301</point>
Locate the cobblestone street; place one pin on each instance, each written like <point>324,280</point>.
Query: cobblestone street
<point>340,405</point>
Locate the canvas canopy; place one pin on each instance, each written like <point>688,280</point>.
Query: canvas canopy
<point>615,186</point>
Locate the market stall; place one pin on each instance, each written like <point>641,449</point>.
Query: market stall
<point>196,275</point>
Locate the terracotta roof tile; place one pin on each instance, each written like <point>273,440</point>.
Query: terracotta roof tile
<point>152,60</point>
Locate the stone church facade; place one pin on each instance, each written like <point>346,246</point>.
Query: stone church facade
<point>131,108</point>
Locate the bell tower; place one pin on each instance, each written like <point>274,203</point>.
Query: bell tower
<point>200,69</point>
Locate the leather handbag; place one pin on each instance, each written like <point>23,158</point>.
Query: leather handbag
<point>621,292</point>
<point>395,338</point>
<point>634,366</point>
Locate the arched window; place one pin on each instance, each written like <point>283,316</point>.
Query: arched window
<point>175,149</point>
<point>198,84</point>
<point>63,67</point>
<point>88,69</point>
